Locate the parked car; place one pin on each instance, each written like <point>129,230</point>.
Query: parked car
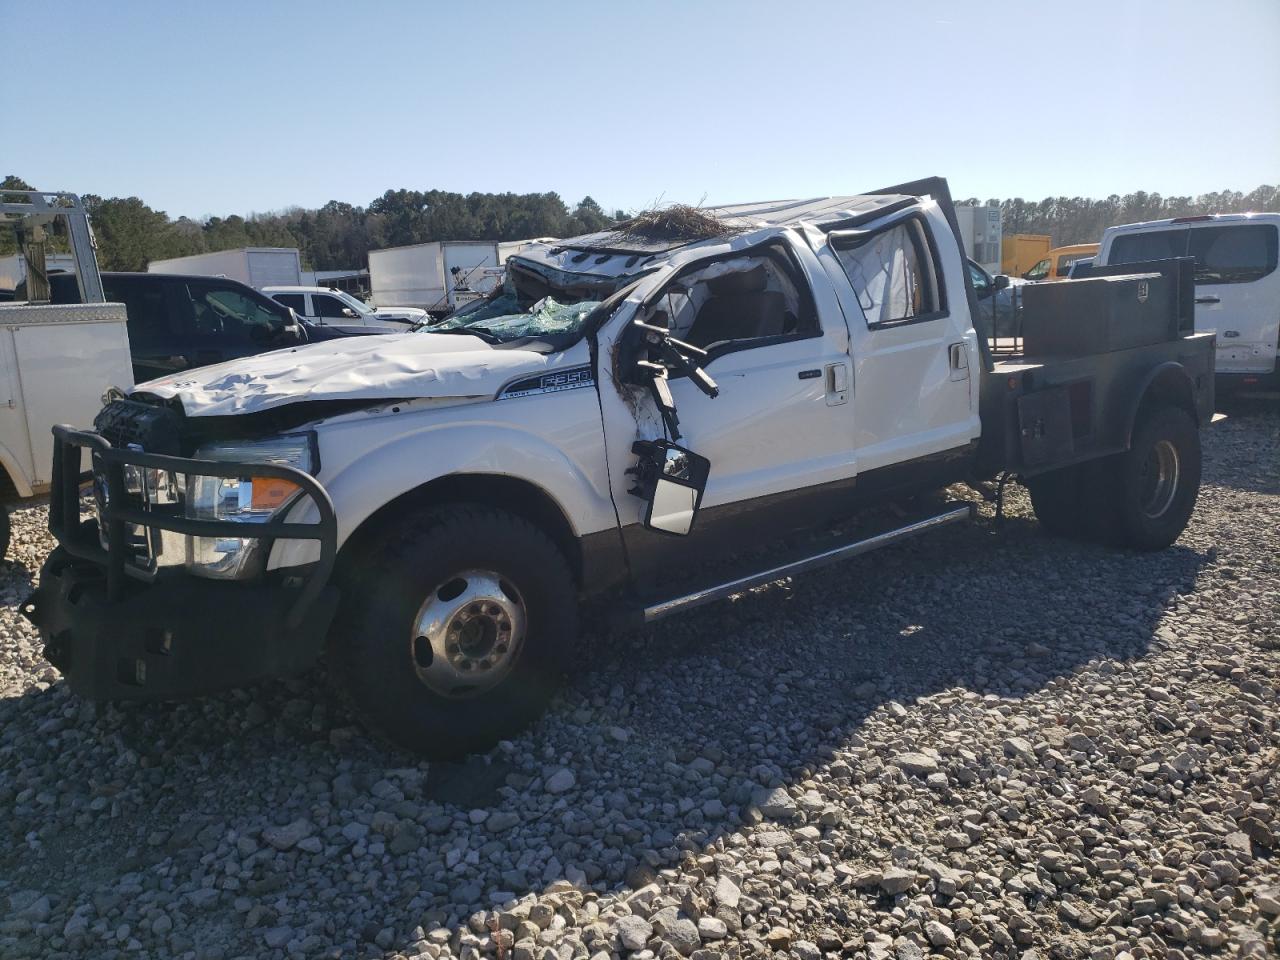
<point>179,322</point>
<point>1057,262</point>
<point>998,302</point>
<point>615,426</point>
<point>323,307</point>
<point>1237,285</point>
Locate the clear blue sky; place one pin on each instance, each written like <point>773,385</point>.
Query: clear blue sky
<point>232,107</point>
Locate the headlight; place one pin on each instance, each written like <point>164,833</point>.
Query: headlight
<point>248,500</point>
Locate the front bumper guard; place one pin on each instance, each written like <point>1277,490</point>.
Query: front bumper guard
<point>117,630</point>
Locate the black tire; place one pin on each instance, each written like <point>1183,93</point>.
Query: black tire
<point>5,531</point>
<point>1057,501</point>
<point>1128,504</point>
<point>1153,507</point>
<point>375,658</point>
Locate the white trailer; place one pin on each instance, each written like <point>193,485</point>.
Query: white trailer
<point>257,266</point>
<point>439,276</point>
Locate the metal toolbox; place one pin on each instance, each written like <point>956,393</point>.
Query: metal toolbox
<point>1074,318</point>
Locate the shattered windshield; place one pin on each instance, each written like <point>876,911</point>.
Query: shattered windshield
<point>502,318</point>
<point>531,303</point>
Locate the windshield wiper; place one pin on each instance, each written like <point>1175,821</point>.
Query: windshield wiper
<point>486,335</point>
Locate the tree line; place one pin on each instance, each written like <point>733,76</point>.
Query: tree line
<point>339,235</point>
<point>1082,220</point>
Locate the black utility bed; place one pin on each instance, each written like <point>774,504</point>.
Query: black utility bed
<point>1067,386</point>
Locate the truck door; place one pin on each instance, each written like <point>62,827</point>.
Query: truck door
<point>330,311</point>
<point>899,280</point>
<point>158,312</point>
<point>779,434</point>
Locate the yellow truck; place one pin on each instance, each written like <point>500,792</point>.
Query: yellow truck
<point>1057,262</point>
<point>1021,251</point>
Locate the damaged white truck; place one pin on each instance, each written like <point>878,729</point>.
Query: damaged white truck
<point>430,511</point>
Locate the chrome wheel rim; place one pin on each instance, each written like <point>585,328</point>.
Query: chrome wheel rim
<point>468,634</point>
<point>1159,479</point>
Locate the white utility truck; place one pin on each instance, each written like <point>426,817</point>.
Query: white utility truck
<point>57,361</point>
<point>642,419</point>
<point>1237,285</point>
<point>440,276</point>
<point>256,266</point>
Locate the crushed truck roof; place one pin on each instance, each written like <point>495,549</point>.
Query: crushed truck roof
<point>619,252</point>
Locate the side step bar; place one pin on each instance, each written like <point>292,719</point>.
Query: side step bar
<point>962,513</point>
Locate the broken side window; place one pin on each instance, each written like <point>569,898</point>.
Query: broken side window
<point>891,273</point>
<point>735,302</point>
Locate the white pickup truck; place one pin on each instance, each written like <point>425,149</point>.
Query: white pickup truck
<point>438,506</point>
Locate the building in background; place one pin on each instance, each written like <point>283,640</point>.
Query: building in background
<point>980,233</point>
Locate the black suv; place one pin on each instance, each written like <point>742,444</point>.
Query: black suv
<point>177,322</point>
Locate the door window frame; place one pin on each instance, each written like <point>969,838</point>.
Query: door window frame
<point>776,250</point>
<point>927,253</point>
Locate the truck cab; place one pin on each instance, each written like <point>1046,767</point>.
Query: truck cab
<point>1237,285</point>
<point>628,414</point>
<point>322,307</point>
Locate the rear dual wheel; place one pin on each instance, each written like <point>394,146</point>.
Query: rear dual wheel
<point>1142,498</point>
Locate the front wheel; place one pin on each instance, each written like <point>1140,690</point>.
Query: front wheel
<point>455,634</point>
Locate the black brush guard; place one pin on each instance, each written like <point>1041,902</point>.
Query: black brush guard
<point>117,512</point>
<point>174,634</point>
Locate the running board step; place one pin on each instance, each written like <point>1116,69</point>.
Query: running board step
<point>957,513</point>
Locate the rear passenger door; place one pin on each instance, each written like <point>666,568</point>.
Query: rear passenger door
<point>157,312</point>
<point>297,302</point>
<point>900,282</point>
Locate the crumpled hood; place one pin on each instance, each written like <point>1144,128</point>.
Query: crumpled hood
<point>397,366</point>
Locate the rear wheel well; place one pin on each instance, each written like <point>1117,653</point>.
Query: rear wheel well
<point>1170,387</point>
<point>518,497</point>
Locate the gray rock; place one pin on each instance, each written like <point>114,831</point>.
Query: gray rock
<point>727,893</point>
<point>562,781</point>
<point>896,880</point>
<point>775,803</point>
<point>917,764</point>
<point>633,932</point>
<point>712,928</point>
<point>683,936</point>
<point>939,934</point>
<point>288,836</point>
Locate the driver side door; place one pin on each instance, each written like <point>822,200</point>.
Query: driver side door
<point>779,435</point>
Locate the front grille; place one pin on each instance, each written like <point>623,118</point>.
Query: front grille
<point>135,425</point>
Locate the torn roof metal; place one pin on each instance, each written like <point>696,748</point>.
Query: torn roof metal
<point>610,253</point>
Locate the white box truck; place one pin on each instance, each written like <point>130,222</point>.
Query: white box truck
<point>439,276</point>
<point>257,266</point>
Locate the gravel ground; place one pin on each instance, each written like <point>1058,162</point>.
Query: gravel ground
<point>984,744</point>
